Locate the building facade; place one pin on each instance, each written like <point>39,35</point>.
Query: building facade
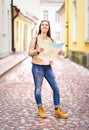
<point>77,31</point>
<point>5,28</point>
<point>23,30</point>
<point>48,11</point>
<point>25,20</point>
<point>20,21</point>
<point>61,12</point>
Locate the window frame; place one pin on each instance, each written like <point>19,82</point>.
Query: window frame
<point>74,22</point>
<point>45,14</point>
<point>87,21</point>
<point>57,17</point>
<point>57,36</point>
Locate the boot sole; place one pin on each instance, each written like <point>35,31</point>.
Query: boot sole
<point>61,117</point>
<point>42,117</point>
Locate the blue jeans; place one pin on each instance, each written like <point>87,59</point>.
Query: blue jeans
<point>39,72</point>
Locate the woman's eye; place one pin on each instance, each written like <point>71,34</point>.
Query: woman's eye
<point>45,25</point>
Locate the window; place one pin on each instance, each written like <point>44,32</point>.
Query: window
<point>74,22</point>
<point>56,17</point>
<point>4,25</point>
<point>87,21</point>
<point>25,36</point>
<point>45,14</point>
<point>57,36</point>
<point>17,33</point>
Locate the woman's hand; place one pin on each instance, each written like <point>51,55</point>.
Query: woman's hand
<point>60,52</point>
<point>40,49</point>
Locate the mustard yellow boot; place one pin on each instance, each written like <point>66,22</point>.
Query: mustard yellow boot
<point>58,113</point>
<point>41,112</point>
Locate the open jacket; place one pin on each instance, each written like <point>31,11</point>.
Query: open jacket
<point>34,53</point>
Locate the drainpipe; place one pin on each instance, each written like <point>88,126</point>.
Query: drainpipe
<point>67,28</point>
<point>13,48</point>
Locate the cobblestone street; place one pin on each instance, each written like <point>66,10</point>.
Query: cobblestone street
<point>18,110</point>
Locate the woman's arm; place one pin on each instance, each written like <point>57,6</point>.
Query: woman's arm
<point>33,48</point>
<point>32,51</point>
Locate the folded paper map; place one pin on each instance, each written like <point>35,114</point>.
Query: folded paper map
<point>51,50</point>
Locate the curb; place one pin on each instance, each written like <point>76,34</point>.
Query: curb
<point>5,67</point>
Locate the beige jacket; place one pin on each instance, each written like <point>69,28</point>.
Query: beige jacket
<point>33,52</point>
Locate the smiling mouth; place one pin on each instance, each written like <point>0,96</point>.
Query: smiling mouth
<point>44,28</point>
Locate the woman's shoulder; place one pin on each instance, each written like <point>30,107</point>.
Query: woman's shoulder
<point>51,39</point>
<point>34,38</point>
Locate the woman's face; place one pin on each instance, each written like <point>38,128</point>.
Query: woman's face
<point>44,27</point>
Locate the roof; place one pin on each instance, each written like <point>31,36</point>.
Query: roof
<point>62,6</point>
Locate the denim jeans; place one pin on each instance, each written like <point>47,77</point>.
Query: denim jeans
<point>39,72</point>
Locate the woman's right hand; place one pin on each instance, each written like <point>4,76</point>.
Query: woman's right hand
<point>40,49</point>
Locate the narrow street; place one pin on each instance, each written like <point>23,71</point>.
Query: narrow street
<point>18,110</point>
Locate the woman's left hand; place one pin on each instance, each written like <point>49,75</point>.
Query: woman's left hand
<point>60,52</point>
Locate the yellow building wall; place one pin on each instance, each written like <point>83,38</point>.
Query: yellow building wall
<point>19,25</point>
<point>79,45</point>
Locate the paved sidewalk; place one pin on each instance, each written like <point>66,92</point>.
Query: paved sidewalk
<point>10,61</point>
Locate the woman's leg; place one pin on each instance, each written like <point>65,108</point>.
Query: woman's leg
<point>50,77</point>
<point>38,75</point>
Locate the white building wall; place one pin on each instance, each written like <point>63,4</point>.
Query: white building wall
<point>5,28</point>
<point>52,8</point>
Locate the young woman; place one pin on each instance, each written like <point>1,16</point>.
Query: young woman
<point>42,68</point>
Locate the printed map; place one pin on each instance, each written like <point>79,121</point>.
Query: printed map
<point>51,50</point>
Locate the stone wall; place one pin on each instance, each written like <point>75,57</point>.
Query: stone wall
<point>80,58</point>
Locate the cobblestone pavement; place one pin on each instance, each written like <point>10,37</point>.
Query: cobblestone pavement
<point>18,110</point>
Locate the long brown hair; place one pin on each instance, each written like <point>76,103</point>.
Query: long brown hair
<point>49,31</point>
